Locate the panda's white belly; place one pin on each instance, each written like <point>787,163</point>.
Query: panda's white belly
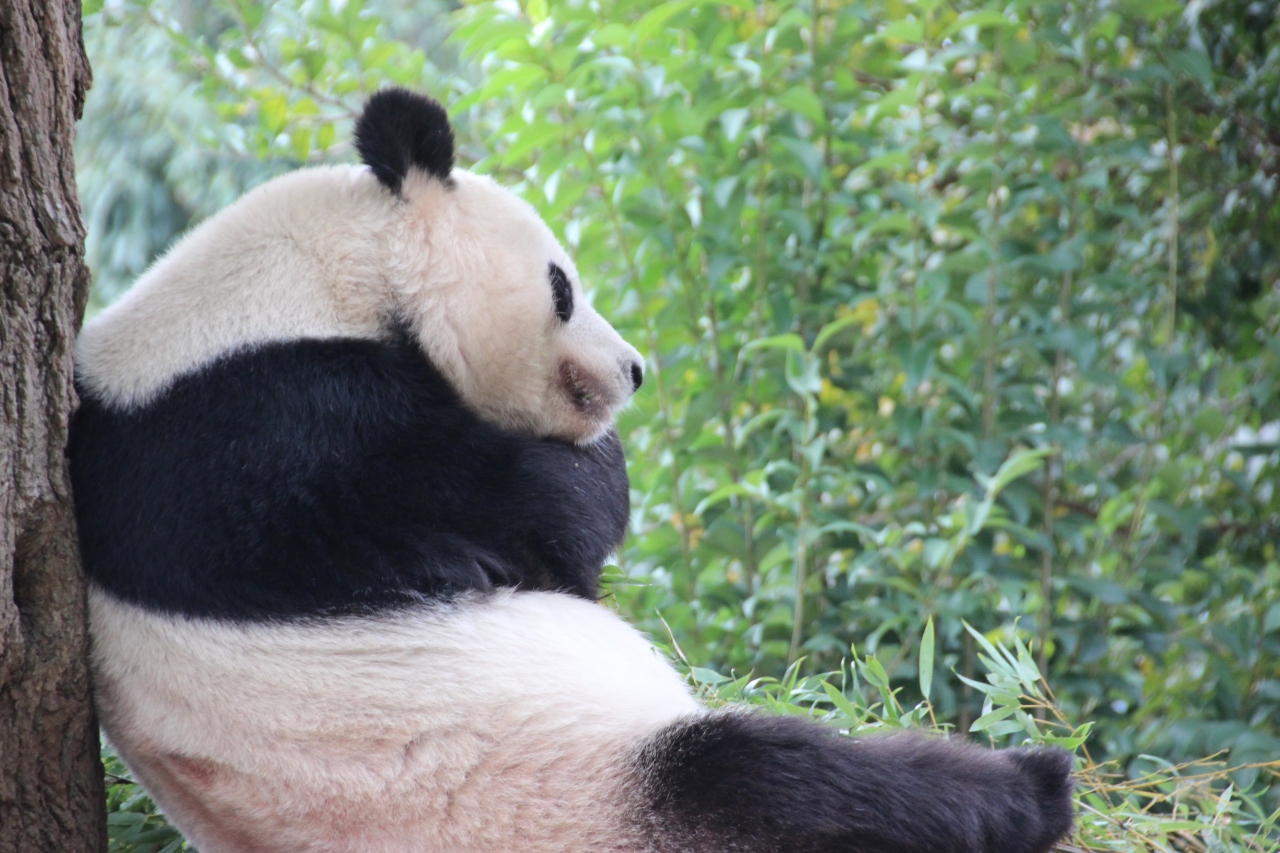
<point>496,722</point>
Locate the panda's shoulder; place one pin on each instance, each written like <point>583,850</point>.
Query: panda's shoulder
<point>291,259</point>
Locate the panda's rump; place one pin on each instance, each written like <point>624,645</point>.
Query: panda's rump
<point>498,719</point>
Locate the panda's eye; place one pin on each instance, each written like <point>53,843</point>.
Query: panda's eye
<point>562,292</point>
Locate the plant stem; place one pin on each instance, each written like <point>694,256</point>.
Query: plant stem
<point>664,406</point>
<point>800,564</point>
<point>1168,323</point>
<point>991,342</point>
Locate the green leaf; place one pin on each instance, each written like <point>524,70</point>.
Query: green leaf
<point>707,676</point>
<point>273,113</point>
<point>252,11</point>
<point>986,644</point>
<point>802,100</point>
<point>935,551</point>
<point>325,136</point>
<point>531,138</point>
<point>806,153</point>
<point>732,121</point>
<point>237,58</point>
<point>1153,10</point>
<point>1272,620</point>
<point>1195,64</point>
<point>520,76</point>
<point>907,30</point>
<point>851,527</point>
<point>792,343</point>
<point>1004,727</point>
<point>835,327</point>
<point>907,94</point>
<point>982,19</point>
<point>612,35</point>
<point>1020,463</point>
<point>1210,422</point>
<point>724,190</point>
<point>891,161</point>
<point>926,659</point>
<point>841,701</point>
<point>893,223</point>
<point>300,143</point>
<point>494,33</point>
<point>537,11</point>
<point>1108,26</point>
<point>655,18</point>
<point>986,721</point>
<point>721,494</point>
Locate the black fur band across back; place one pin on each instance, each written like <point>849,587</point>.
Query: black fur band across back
<point>331,476</point>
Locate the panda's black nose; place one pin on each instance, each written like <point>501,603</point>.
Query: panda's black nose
<point>637,376</point>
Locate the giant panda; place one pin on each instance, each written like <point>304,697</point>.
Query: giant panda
<point>345,474</point>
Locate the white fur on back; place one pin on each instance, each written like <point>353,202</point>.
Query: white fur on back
<point>295,258</point>
<point>329,252</point>
<point>502,722</point>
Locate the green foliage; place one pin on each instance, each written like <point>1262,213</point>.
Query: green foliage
<point>957,314</point>
<point>875,250</point>
<point>133,823</point>
<point>1191,807</point>
<point>145,170</point>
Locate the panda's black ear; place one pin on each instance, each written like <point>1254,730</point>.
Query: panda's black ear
<point>399,129</point>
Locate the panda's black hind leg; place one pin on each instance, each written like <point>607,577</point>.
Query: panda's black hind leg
<point>743,782</point>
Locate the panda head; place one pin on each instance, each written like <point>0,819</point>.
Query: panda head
<point>486,287</point>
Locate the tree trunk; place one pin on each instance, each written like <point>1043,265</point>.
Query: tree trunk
<point>51,796</point>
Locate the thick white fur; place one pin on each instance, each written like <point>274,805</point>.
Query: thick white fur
<point>329,252</point>
<point>502,722</point>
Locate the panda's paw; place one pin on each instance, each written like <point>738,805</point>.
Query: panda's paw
<point>751,782</point>
<point>1045,776</point>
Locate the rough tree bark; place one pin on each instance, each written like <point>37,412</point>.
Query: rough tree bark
<point>51,796</point>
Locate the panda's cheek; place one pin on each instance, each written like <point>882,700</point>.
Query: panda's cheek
<point>591,397</point>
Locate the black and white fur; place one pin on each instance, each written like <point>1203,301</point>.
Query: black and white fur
<point>345,476</point>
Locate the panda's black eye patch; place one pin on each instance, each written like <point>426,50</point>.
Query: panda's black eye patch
<point>561,291</point>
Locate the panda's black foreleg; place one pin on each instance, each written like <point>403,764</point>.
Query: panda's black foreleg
<point>571,505</point>
<point>744,782</point>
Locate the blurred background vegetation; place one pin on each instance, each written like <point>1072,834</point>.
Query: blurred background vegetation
<point>955,312</point>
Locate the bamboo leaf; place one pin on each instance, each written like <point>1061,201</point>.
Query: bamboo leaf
<point>926,659</point>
